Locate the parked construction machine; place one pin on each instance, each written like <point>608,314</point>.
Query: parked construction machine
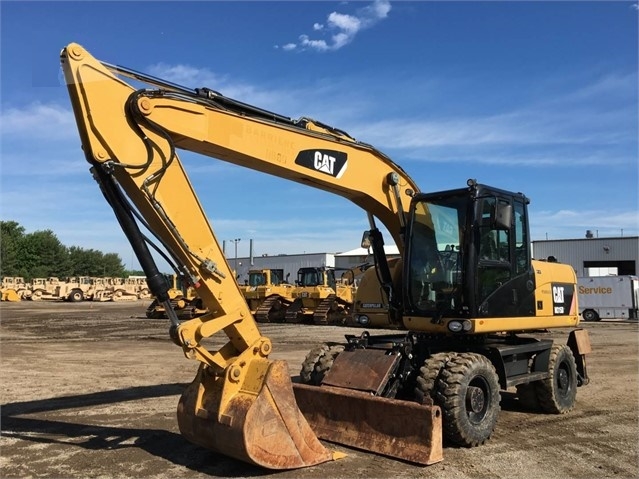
<point>268,295</point>
<point>465,297</point>
<point>80,288</point>
<point>14,288</point>
<point>184,301</point>
<point>123,289</point>
<point>320,298</point>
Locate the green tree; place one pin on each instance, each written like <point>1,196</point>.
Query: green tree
<point>113,265</point>
<point>11,233</point>
<point>41,254</point>
<point>90,262</point>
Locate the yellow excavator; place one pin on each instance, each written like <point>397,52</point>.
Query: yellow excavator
<point>465,296</point>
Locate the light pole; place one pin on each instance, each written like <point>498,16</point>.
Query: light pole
<point>236,241</point>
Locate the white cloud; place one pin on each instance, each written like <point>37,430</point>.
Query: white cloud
<point>38,121</point>
<point>594,124</point>
<point>187,75</point>
<point>342,28</point>
<point>516,128</point>
<point>192,77</point>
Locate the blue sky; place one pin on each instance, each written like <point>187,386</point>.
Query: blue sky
<point>538,97</point>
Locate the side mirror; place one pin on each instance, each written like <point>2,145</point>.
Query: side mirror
<point>366,240</point>
<point>502,216</point>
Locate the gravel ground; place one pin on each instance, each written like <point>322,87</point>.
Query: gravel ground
<point>91,389</point>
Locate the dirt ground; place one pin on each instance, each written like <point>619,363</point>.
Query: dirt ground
<point>91,389</point>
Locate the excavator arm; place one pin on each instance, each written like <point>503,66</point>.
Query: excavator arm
<point>241,403</point>
<point>131,136</point>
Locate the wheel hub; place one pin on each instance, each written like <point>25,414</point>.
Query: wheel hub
<point>562,379</point>
<point>475,399</point>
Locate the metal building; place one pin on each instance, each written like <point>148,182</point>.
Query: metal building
<point>290,263</point>
<point>593,256</point>
<point>359,256</point>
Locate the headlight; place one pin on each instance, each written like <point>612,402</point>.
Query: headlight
<point>455,326</point>
<point>363,320</point>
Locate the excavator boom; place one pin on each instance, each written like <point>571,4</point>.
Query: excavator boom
<point>241,403</point>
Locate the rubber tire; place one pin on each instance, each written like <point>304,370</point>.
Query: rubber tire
<point>36,295</point>
<point>590,315</point>
<point>429,374</point>
<point>465,375</point>
<point>557,393</point>
<point>76,296</point>
<point>318,362</point>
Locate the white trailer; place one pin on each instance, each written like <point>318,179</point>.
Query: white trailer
<point>608,297</point>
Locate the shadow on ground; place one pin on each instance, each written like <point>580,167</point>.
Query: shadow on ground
<point>45,427</point>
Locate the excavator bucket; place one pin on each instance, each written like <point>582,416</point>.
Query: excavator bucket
<point>399,429</point>
<point>261,424</point>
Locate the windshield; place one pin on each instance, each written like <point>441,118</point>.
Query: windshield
<point>257,279</point>
<point>436,262</point>
<point>308,277</point>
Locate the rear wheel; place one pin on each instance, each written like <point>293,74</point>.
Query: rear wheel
<point>590,315</point>
<point>144,294</point>
<point>557,394</point>
<point>318,362</point>
<point>468,393</point>
<point>36,295</point>
<point>76,296</point>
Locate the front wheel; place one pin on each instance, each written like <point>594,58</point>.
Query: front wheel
<point>429,374</point>
<point>318,362</point>
<point>468,393</point>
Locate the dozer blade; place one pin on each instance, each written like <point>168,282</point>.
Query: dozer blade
<point>399,429</point>
<point>263,427</point>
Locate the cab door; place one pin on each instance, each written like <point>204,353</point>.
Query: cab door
<point>504,283</point>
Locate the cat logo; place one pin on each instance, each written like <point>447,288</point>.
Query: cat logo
<point>558,294</point>
<point>325,163</point>
<point>329,162</point>
<point>562,298</point>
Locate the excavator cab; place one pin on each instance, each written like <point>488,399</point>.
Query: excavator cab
<point>467,255</point>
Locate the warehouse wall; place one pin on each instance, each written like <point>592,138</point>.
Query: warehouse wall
<point>581,254</point>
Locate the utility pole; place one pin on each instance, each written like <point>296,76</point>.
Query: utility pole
<point>236,241</point>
